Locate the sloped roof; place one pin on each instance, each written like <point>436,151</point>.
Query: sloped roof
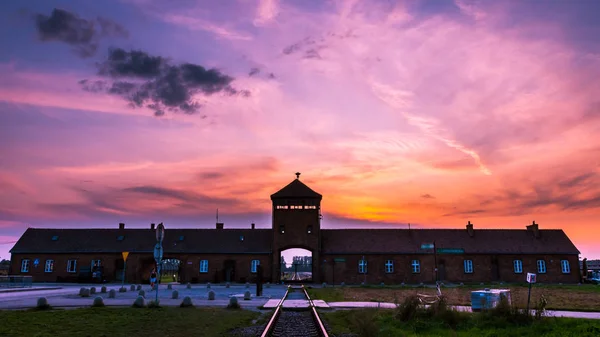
<point>296,189</point>
<point>209,241</point>
<point>408,241</point>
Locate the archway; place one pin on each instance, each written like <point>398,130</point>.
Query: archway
<point>170,270</point>
<point>296,265</point>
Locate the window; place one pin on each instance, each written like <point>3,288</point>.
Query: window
<point>565,266</point>
<point>181,238</point>
<point>310,207</point>
<point>296,207</point>
<point>241,238</point>
<point>72,266</point>
<point>55,238</point>
<point>468,266</point>
<point>254,266</point>
<point>282,207</point>
<point>49,266</point>
<point>416,266</point>
<point>362,266</point>
<point>518,265</point>
<point>120,238</point>
<point>389,266</point>
<point>96,263</point>
<point>204,266</point>
<point>309,229</point>
<point>541,266</point>
<point>281,229</point>
<point>25,266</point>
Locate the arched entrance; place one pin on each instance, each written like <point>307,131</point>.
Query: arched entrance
<point>170,270</point>
<point>296,265</point>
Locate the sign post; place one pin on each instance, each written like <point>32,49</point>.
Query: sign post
<point>531,278</point>
<point>158,253</point>
<point>125,255</point>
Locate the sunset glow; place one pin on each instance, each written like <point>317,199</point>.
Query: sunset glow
<point>432,113</point>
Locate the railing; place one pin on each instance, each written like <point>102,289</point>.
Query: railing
<point>16,281</point>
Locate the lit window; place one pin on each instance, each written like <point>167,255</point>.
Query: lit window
<point>518,265</point>
<point>565,266</point>
<point>204,266</point>
<point>282,229</point>
<point>541,266</point>
<point>389,266</point>
<point>120,238</point>
<point>362,266</point>
<point>25,266</point>
<point>49,266</point>
<point>468,266</point>
<point>181,238</point>
<point>416,266</point>
<point>72,266</point>
<point>55,238</point>
<point>254,266</point>
<point>309,229</point>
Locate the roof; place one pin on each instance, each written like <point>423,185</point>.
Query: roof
<point>408,241</point>
<point>296,189</point>
<point>208,241</point>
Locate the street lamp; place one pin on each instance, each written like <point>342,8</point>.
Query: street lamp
<point>158,252</point>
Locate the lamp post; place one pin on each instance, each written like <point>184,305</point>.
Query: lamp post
<point>158,252</point>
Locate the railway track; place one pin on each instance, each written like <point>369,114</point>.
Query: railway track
<point>298,322</point>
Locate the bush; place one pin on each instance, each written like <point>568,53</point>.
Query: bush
<point>187,302</point>
<point>42,304</point>
<point>540,308</point>
<point>233,303</point>
<point>505,313</point>
<point>408,309</point>
<point>98,302</point>
<point>367,324</point>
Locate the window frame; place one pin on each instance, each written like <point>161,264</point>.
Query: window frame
<point>363,266</point>
<point>51,269</point>
<point>203,263</point>
<point>415,266</point>
<point>389,266</point>
<point>25,265</point>
<point>99,261</point>
<point>541,263</point>
<point>520,264</point>
<point>254,266</point>
<point>468,266</point>
<point>567,264</point>
<point>72,263</point>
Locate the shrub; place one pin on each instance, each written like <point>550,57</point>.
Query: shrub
<point>211,295</point>
<point>233,303</point>
<point>98,302</point>
<point>540,308</point>
<point>367,324</point>
<point>187,302</point>
<point>103,289</point>
<point>505,313</point>
<point>42,304</point>
<point>175,294</point>
<point>112,293</point>
<point>408,309</point>
<point>139,302</point>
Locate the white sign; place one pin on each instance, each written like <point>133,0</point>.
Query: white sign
<point>531,278</point>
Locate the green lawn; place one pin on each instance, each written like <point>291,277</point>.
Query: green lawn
<point>126,322</point>
<point>382,323</point>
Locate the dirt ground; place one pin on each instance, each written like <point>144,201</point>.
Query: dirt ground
<point>585,297</point>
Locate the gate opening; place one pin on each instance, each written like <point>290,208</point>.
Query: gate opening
<point>296,265</point>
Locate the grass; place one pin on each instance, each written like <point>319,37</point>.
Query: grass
<point>114,322</point>
<point>560,297</point>
<point>383,323</point>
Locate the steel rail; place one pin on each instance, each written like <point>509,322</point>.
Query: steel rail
<point>316,315</point>
<point>273,319</point>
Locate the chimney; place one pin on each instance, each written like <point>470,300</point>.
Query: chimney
<point>152,226</point>
<point>121,225</point>
<point>470,229</point>
<point>220,225</point>
<point>252,225</point>
<point>535,229</point>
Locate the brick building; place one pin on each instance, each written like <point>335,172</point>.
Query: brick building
<point>342,255</point>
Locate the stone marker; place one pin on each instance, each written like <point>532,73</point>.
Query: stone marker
<point>187,302</point>
<point>227,285</point>
<point>189,285</point>
<point>211,295</point>
<point>324,285</point>
<point>139,287</point>
<point>247,285</point>
<point>103,289</point>
<point>139,302</point>
<point>112,293</point>
<point>175,294</point>
<point>81,290</point>
<point>98,302</point>
<point>92,290</point>
<point>85,292</point>
<point>233,303</point>
<point>169,287</point>
<point>208,285</point>
<point>42,303</point>
<point>122,290</point>
<point>142,293</point>
<point>132,288</point>
<point>247,296</point>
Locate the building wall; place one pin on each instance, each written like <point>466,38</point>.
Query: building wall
<point>450,269</point>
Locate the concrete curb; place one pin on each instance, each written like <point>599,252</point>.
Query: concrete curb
<point>27,289</point>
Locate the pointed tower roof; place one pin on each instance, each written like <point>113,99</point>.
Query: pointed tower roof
<point>296,189</point>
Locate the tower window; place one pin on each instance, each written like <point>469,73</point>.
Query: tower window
<point>282,229</point>
<point>309,229</point>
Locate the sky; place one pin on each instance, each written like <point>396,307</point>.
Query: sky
<point>432,113</point>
